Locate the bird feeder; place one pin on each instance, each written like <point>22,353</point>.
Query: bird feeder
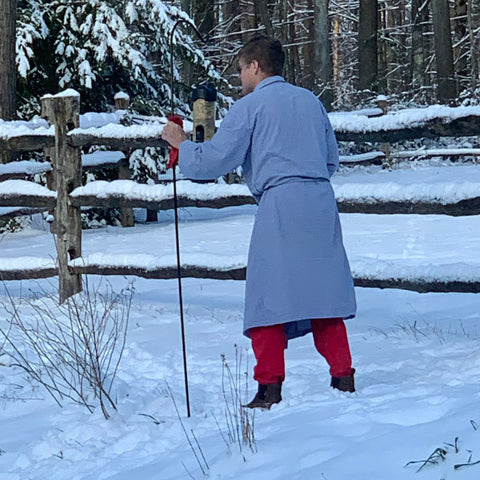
<point>204,98</point>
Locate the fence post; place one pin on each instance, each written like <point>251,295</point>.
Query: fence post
<point>382,103</point>
<point>65,111</point>
<point>49,152</point>
<point>127,217</point>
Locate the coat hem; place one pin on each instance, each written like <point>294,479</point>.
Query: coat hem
<point>304,319</point>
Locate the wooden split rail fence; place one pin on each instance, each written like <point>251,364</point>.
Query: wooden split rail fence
<point>64,149</point>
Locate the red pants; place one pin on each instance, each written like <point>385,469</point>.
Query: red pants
<point>269,343</point>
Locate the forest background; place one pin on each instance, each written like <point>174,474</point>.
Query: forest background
<point>347,51</point>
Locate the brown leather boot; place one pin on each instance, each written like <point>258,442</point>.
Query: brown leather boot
<point>345,383</point>
<point>266,396</point>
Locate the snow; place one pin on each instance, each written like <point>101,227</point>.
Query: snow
<point>445,184</point>
<point>350,122</point>
<point>8,210</point>
<point>151,262</point>
<point>27,263</point>
<point>24,166</point>
<point>19,128</point>
<point>361,157</point>
<point>39,126</point>
<point>31,167</point>
<point>116,131</point>
<point>400,244</point>
<point>97,120</point>
<point>24,187</point>
<point>416,182</point>
<point>101,157</point>
<point>433,152</point>
<point>367,112</point>
<point>417,358</point>
<point>107,125</point>
<point>69,92</point>
<point>112,130</point>
<point>121,95</point>
<point>130,189</point>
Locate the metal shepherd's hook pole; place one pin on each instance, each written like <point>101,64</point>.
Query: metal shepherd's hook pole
<point>175,206</point>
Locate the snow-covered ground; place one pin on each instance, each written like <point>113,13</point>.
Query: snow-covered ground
<point>417,358</point>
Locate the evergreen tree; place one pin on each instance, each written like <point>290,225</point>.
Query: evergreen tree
<point>100,47</point>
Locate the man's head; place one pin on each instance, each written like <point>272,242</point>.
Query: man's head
<point>259,58</point>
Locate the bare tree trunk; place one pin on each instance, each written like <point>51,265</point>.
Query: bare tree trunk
<point>419,17</point>
<point>336,54</point>
<point>397,76</point>
<point>367,44</point>
<point>383,39</point>
<point>187,6</point>
<point>248,22</point>
<point>322,64</point>
<point>294,56</point>
<point>443,50</point>
<point>390,47</point>
<point>308,51</point>
<point>229,10</point>
<point>284,10</point>
<point>264,15</point>
<point>8,15</point>
<point>460,50</point>
<point>474,44</point>
<point>288,39</point>
<point>203,15</point>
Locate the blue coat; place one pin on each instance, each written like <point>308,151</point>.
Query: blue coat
<point>297,267</point>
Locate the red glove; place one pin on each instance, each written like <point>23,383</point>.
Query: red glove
<point>173,154</point>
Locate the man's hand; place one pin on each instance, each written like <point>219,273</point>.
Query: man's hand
<point>173,134</point>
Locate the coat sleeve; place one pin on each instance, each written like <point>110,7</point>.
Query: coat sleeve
<point>332,147</point>
<point>227,149</point>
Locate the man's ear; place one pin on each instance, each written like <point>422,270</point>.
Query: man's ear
<point>256,66</point>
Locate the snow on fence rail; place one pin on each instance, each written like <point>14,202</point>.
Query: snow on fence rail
<point>440,279</point>
<point>379,196</point>
<point>64,142</point>
<point>431,122</point>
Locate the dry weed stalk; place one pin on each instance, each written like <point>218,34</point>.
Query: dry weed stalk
<point>240,420</point>
<point>72,349</point>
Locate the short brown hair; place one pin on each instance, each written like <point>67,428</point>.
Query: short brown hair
<point>267,51</point>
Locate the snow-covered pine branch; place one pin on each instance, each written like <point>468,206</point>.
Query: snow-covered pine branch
<point>99,47</point>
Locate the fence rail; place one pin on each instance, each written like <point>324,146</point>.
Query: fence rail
<point>468,125</point>
<point>460,127</point>
<point>466,207</point>
<point>166,273</point>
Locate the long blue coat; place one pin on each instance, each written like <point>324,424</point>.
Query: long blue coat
<point>297,267</point>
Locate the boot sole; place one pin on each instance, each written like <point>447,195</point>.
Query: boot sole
<point>262,406</point>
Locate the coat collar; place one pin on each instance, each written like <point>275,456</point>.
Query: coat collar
<point>269,80</point>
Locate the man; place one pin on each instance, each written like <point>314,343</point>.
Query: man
<point>298,276</point>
